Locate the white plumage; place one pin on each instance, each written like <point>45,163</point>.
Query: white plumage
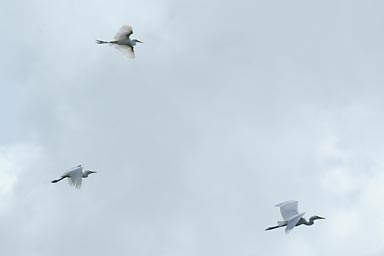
<point>75,176</point>
<point>291,216</point>
<point>122,41</point>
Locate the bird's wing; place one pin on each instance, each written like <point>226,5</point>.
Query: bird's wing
<point>69,171</point>
<point>291,223</point>
<point>124,32</point>
<point>288,209</point>
<point>76,177</point>
<point>127,50</point>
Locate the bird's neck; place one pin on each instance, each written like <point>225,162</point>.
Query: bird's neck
<point>308,223</point>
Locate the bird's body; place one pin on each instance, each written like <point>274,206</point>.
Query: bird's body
<point>122,42</point>
<point>292,217</point>
<point>75,176</point>
<point>126,41</point>
<point>302,221</point>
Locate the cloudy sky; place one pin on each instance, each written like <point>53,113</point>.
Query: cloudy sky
<point>229,108</point>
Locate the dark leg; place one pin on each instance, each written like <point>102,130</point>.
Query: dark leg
<point>270,228</point>
<point>54,181</point>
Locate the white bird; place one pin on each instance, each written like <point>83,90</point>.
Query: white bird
<point>292,217</point>
<point>122,41</point>
<point>75,176</point>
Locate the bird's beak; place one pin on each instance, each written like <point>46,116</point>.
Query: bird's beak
<point>92,171</point>
<point>139,41</point>
<point>322,218</point>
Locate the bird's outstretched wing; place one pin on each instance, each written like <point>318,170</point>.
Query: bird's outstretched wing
<point>288,209</point>
<point>124,32</point>
<point>76,177</point>
<point>127,50</point>
<point>291,223</point>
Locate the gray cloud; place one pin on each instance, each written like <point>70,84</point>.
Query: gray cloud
<point>228,108</point>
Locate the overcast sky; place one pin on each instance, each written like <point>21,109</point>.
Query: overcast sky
<point>229,108</point>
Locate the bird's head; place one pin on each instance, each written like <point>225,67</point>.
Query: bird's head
<point>86,173</point>
<point>317,218</point>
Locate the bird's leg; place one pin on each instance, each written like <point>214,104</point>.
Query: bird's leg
<point>105,42</point>
<point>101,42</point>
<point>278,226</point>
<point>54,181</point>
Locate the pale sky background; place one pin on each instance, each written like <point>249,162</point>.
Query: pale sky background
<point>229,108</point>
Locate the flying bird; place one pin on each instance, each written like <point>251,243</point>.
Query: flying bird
<point>75,176</point>
<point>292,217</point>
<point>122,42</point>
